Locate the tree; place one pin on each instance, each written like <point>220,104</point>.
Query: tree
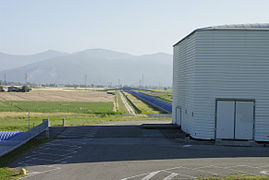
<point>25,89</point>
<point>2,89</point>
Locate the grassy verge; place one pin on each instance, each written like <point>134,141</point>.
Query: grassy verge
<point>120,107</point>
<point>237,176</point>
<point>53,107</point>
<point>143,107</point>
<point>9,173</point>
<point>18,121</point>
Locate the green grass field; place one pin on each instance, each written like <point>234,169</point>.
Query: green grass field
<point>14,117</point>
<point>19,121</point>
<point>120,107</point>
<point>53,107</point>
<point>238,176</point>
<point>13,114</point>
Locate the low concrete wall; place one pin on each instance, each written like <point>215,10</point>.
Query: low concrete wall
<point>159,115</point>
<point>10,145</point>
<point>53,132</point>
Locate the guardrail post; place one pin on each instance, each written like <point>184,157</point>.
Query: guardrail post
<point>29,117</point>
<point>63,122</point>
<point>46,123</point>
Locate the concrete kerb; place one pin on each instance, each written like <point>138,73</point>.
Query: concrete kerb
<point>184,138</point>
<point>231,143</point>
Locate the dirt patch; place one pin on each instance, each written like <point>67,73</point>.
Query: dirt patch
<point>57,95</point>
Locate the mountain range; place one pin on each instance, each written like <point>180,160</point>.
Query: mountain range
<point>92,66</point>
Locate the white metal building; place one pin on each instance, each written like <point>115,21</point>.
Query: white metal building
<point>221,82</point>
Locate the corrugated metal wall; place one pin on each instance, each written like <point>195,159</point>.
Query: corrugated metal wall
<point>228,64</point>
<point>183,82</point>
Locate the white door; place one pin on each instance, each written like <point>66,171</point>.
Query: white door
<point>178,116</point>
<point>225,119</point>
<point>184,121</point>
<point>244,120</point>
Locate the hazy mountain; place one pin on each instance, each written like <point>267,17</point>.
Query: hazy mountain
<point>8,61</point>
<point>100,66</point>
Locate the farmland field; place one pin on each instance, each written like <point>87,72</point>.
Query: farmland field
<point>54,94</point>
<point>120,107</point>
<point>78,107</point>
<point>18,121</point>
<point>52,107</point>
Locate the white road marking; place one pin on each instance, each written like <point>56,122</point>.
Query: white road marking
<point>263,166</point>
<point>171,176</point>
<point>68,150</point>
<point>150,175</point>
<point>186,146</point>
<point>57,144</point>
<point>67,153</point>
<point>36,172</point>
<point>134,176</point>
<point>36,153</point>
<point>202,167</point>
<point>264,172</point>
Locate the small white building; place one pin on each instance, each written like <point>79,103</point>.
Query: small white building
<point>221,82</point>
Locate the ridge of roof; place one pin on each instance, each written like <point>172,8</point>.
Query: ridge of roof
<point>239,26</point>
<point>246,27</point>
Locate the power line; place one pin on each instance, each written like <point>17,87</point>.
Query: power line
<point>25,78</point>
<point>85,80</point>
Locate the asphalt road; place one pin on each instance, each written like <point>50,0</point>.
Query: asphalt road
<point>130,152</point>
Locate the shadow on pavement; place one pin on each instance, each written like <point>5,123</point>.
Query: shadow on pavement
<point>109,143</point>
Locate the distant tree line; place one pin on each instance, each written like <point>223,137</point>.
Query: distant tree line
<point>10,83</point>
<point>24,88</point>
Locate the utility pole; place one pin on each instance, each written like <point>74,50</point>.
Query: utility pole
<point>29,120</point>
<point>119,82</point>
<point>85,78</point>
<point>142,79</point>
<point>5,79</point>
<point>25,78</point>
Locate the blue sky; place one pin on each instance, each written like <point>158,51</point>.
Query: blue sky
<point>133,26</point>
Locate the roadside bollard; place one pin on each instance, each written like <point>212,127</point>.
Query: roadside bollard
<point>23,172</point>
<point>63,122</point>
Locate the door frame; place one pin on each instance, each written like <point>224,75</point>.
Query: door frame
<point>235,100</point>
<point>180,118</point>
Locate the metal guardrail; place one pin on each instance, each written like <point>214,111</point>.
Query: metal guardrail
<point>15,142</point>
<point>4,136</point>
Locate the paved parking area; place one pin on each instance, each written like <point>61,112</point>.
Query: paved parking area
<point>129,152</point>
<point>186,172</point>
